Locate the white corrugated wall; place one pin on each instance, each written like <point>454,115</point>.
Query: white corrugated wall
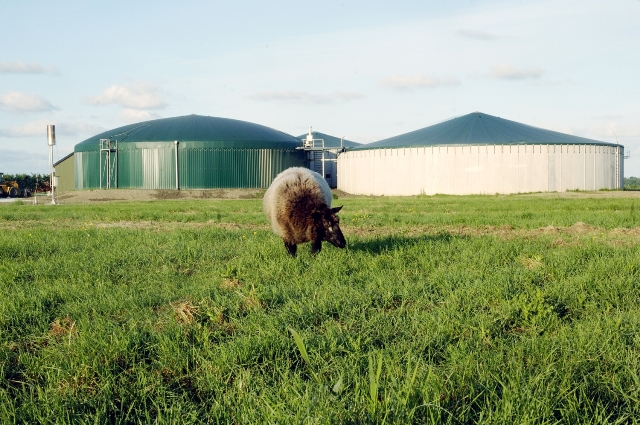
<point>486,169</point>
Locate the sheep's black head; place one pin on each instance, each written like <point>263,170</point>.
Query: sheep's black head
<point>328,224</point>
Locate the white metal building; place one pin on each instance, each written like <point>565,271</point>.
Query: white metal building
<point>480,154</point>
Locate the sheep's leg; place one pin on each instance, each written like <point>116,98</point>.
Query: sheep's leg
<point>316,246</point>
<point>291,248</point>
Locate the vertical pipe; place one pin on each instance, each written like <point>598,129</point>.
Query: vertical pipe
<point>622,168</point>
<point>53,197</point>
<point>109,166</point>
<point>177,172</point>
<point>51,140</point>
<point>617,175</point>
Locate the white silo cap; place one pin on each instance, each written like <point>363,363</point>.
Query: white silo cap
<point>51,134</point>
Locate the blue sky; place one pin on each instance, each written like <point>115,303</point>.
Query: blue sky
<point>365,70</point>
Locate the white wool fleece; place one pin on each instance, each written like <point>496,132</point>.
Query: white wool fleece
<point>273,198</point>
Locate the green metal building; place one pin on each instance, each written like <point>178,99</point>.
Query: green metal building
<point>189,152</point>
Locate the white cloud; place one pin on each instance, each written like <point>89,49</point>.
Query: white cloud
<point>16,101</point>
<point>477,35</point>
<point>140,95</point>
<point>39,128</point>
<point>304,97</point>
<point>29,129</point>
<point>131,116</point>
<point>507,72</point>
<point>19,67</point>
<point>407,82</point>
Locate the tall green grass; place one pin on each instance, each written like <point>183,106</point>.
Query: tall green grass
<point>191,312</point>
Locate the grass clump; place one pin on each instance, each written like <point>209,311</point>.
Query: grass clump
<point>441,310</point>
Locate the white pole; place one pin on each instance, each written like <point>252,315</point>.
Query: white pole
<point>177,173</point>
<point>51,140</point>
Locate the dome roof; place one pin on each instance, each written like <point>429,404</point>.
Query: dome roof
<point>330,141</point>
<point>478,128</point>
<point>203,131</point>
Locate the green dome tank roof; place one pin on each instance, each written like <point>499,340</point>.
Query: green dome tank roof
<point>330,141</point>
<point>203,130</point>
<point>478,128</point>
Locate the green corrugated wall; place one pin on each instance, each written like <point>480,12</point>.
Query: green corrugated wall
<point>202,168</point>
<point>87,166</point>
<point>153,167</point>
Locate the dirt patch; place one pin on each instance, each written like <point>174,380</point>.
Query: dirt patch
<point>633,232</point>
<point>170,225</point>
<point>550,229</point>
<point>212,194</point>
<point>114,195</point>
<point>581,194</point>
<point>531,263</point>
<point>506,231</point>
<point>168,194</point>
<point>129,224</point>
<point>250,302</point>
<point>107,195</point>
<point>339,194</point>
<point>230,284</point>
<point>62,327</point>
<point>581,228</point>
<point>184,312</point>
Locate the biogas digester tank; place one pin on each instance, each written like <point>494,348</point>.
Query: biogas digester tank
<point>189,152</point>
<point>479,153</point>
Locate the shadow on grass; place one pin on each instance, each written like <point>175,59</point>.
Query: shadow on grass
<point>380,244</point>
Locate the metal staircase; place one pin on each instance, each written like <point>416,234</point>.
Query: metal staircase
<point>318,155</point>
<point>108,167</point>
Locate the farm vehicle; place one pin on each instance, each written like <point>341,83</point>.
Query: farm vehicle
<point>12,189</point>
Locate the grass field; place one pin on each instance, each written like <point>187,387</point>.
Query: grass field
<point>455,310</point>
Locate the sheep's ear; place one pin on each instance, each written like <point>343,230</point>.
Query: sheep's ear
<point>336,209</point>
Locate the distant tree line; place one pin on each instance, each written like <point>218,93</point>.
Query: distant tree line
<point>632,182</point>
<point>30,181</point>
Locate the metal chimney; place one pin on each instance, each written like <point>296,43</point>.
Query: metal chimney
<point>51,134</point>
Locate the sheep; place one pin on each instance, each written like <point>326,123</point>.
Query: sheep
<point>298,206</point>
